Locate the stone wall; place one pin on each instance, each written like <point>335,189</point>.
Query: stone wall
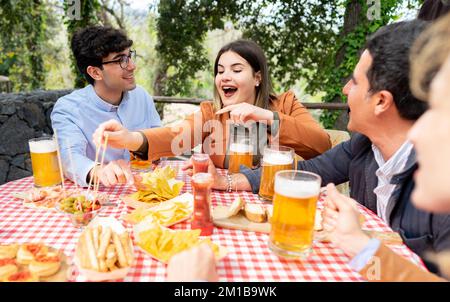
<point>23,116</point>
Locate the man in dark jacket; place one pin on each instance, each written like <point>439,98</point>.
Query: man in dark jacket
<point>378,161</point>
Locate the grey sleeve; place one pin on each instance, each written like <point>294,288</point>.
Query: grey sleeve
<point>332,166</point>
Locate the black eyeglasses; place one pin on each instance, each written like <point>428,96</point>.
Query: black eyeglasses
<point>124,59</point>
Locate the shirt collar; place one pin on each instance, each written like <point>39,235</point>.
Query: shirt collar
<point>103,105</point>
<point>396,163</point>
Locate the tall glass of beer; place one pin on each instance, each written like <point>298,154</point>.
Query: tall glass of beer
<point>44,162</point>
<point>240,153</point>
<point>275,158</point>
<point>294,209</point>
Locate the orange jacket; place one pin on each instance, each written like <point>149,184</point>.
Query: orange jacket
<point>387,266</point>
<point>297,129</point>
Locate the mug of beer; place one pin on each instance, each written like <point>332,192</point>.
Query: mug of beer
<point>294,209</point>
<point>44,162</point>
<point>275,158</point>
<point>240,153</point>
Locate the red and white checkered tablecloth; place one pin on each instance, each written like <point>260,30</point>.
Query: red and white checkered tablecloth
<point>248,259</point>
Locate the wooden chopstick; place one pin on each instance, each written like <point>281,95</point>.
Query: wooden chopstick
<point>58,153</point>
<point>101,164</point>
<point>97,151</point>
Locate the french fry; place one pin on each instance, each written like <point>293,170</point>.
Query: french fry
<point>90,249</point>
<point>104,242</point>
<point>125,240</point>
<point>95,237</point>
<point>120,252</point>
<point>111,252</point>
<point>82,253</point>
<point>103,266</point>
<point>110,263</point>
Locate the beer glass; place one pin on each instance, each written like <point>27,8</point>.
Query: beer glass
<point>275,158</point>
<point>240,153</point>
<point>200,162</point>
<point>44,162</point>
<point>294,209</point>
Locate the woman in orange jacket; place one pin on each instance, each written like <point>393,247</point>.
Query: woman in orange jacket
<point>242,95</point>
<point>430,136</point>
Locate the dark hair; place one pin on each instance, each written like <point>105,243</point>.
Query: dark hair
<point>91,44</point>
<point>433,9</point>
<point>254,55</point>
<point>389,48</point>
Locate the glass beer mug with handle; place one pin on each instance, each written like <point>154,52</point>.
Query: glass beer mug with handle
<point>294,211</point>
<point>44,161</point>
<point>240,153</point>
<point>275,158</point>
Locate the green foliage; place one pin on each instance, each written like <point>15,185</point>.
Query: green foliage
<point>303,40</point>
<point>182,27</point>
<point>22,24</point>
<point>87,16</point>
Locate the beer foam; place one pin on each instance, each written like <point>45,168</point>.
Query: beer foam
<point>296,188</point>
<point>277,159</point>
<point>44,146</point>
<point>240,148</point>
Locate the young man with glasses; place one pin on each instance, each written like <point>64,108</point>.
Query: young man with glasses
<point>104,56</point>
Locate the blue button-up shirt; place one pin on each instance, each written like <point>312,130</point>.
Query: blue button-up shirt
<point>76,116</point>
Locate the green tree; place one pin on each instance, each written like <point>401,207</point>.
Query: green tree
<point>22,23</point>
<point>79,17</point>
<point>318,41</point>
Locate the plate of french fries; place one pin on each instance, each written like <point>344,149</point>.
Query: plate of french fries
<point>167,213</point>
<point>104,250</point>
<point>162,243</point>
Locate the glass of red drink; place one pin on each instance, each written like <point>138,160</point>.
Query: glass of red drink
<point>201,187</point>
<point>200,162</point>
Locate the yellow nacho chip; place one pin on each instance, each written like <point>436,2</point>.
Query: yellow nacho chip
<point>167,213</point>
<point>160,185</point>
<point>164,243</point>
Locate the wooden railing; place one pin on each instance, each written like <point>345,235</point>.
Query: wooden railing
<point>195,101</point>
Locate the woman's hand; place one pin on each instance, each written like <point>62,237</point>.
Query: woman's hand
<point>119,137</point>
<point>341,221</point>
<point>220,181</point>
<point>243,112</point>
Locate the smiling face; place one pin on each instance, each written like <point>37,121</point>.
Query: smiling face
<point>358,97</point>
<point>431,138</point>
<point>116,78</point>
<point>235,80</point>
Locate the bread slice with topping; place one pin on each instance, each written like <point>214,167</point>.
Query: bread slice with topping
<point>255,212</point>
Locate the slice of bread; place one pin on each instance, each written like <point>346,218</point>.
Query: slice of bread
<point>255,212</point>
<point>235,207</point>
<point>269,212</point>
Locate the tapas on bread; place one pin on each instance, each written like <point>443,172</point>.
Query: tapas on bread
<point>50,198</point>
<point>32,262</point>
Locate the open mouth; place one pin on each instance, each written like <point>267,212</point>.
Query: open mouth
<point>130,78</point>
<point>229,91</point>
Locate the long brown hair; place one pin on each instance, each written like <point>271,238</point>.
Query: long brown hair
<point>254,55</point>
